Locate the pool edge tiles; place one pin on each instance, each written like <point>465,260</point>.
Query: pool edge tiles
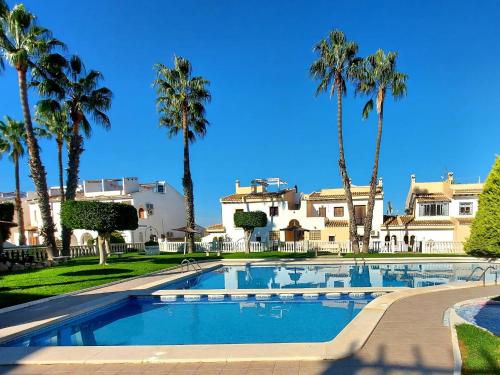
<point>140,321</point>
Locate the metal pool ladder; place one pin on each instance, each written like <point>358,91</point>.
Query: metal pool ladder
<point>483,274</point>
<point>191,262</point>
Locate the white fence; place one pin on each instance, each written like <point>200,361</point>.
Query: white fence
<point>313,246</point>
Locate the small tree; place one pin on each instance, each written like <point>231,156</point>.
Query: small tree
<point>249,221</point>
<point>6,216</point>
<point>484,238</point>
<point>104,218</point>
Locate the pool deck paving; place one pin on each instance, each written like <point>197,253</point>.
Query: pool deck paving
<point>410,338</point>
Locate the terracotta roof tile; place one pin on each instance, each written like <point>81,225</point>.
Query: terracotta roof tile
<point>336,223</point>
<point>315,196</point>
<point>410,221</point>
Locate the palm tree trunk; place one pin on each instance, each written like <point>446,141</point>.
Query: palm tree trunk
<point>187,184</point>
<point>19,207</point>
<point>353,229</point>
<point>373,180</point>
<point>60,166</point>
<point>74,152</point>
<point>37,170</point>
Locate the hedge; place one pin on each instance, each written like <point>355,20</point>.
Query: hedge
<point>250,220</point>
<point>102,217</point>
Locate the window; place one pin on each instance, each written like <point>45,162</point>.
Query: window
<point>160,188</point>
<point>331,238</point>
<point>315,235</point>
<point>274,235</point>
<point>258,239</point>
<point>434,209</point>
<point>465,208</point>
<point>273,211</point>
<point>322,212</point>
<point>142,213</point>
<point>359,214</point>
<point>338,211</point>
<point>239,210</point>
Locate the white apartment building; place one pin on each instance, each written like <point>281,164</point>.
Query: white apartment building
<point>159,206</point>
<point>436,212</point>
<point>323,214</point>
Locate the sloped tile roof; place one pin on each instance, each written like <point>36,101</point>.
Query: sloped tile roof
<point>410,221</point>
<point>336,223</point>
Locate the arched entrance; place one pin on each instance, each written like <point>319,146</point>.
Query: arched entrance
<point>74,241</point>
<point>86,238</point>
<point>290,234</point>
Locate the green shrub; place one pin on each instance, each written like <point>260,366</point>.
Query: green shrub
<point>103,217</point>
<point>116,237</point>
<point>484,238</point>
<point>249,221</point>
<point>151,243</point>
<point>6,214</point>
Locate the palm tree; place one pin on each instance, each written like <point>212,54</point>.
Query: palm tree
<point>79,92</point>
<point>13,135</point>
<point>336,56</point>
<point>181,100</point>
<point>55,120</point>
<point>375,76</point>
<point>22,42</point>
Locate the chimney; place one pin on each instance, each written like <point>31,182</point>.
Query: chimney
<point>450,177</point>
<point>380,182</point>
<point>237,186</point>
<point>412,179</point>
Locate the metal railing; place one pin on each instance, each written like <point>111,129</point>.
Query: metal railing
<point>483,274</point>
<point>191,262</point>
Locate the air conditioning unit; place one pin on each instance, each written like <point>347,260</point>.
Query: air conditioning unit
<point>374,233</point>
<point>149,209</point>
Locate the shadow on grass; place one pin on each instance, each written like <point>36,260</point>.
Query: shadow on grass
<point>96,272</point>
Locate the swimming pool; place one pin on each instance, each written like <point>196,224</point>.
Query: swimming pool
<point>485,314</point>
<point>151,321</point>
<point>414,275</point>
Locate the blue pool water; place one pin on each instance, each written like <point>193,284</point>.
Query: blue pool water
<point>486,315</point>
<point>327,276</point>
<point>148,321</point>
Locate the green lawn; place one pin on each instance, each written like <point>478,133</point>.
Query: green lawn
<point>20,287</point>
<point>480,350</point>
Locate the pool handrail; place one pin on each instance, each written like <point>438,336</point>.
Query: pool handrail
<point>191,262</point>
<point>483,274</point>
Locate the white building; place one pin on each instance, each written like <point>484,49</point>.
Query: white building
<point>323,214</point>
<point>159,206</point>
<point>436,212</point>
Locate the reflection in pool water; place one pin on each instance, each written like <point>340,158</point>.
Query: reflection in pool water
<point>328,276</point>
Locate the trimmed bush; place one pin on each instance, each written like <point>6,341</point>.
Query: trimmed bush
<point>116,237</point>
<point>249,221</point>
<point>484,238</point>
<point>102,217</point>
<point>6,214</point>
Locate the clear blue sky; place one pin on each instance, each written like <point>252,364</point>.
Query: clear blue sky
<point>265,120</point>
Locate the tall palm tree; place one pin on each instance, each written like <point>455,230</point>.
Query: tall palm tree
<point>13,135</point>
<point>79,92</point>
<point>376,76</point>
<point>55,120</point>
<point>22,42</point>
<point>336,56</point>
<point>181,100</point>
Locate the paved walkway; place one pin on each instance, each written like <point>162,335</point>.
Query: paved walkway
<point>410,339</point>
